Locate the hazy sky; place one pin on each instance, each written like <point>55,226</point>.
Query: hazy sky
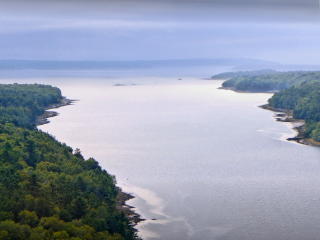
<point>287,31</point>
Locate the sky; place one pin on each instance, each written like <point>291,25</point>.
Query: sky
<point>285,31</point>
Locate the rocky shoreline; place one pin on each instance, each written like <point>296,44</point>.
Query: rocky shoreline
<point>43,118</point>
<point>285,115</point>
<point>122,198</point>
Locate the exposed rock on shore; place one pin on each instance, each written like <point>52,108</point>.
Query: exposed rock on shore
<point>285,115</point>
<point>43,118</point>
<point>134,217</point>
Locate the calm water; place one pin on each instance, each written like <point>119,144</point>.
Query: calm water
<point>204,163</point>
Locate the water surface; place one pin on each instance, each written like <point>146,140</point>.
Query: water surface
<point>204,163</point>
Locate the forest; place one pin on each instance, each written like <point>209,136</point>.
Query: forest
<point>271,82</point>
<point>304,100</point>
<point>47,189</point>
<point>298,91</point>
<point>22,103</point>
<point>227,75</point>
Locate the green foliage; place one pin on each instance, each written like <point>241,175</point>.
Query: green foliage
<point>21,103</point>
<point>299,91</point>
<point>304,100</point>
<point>271,82</point>
<point>46,191</point>
<point>227,75</point>
<point>28,218</point>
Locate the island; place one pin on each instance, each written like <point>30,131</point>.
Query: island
<point>48,190</point>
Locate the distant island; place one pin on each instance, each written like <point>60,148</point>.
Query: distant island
<point>297,96</point>
<point>48,190</point>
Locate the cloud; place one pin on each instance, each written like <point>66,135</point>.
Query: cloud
<point>153,29</point>
<point>149,15</point>
<point>273,3</point>
<point>138,9</point>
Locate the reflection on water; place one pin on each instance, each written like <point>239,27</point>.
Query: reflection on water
<point>203,163</point>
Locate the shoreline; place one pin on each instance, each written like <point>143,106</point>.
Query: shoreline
<point>285,115</point>
<point>246,91</point>
<point>43,118</point>
<point>122,197</point>
<point>133,216</point>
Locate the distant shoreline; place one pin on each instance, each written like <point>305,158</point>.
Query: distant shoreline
<point>284,116</point>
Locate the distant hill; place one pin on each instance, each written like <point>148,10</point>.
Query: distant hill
<point>237,64</point>
<point>278,67</point>
<point>74,65</point>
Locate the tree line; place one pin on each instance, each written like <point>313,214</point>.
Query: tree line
<point>227,75</point>
<point>20,104</point>
<point>304,100</point>
<point>271,82</point>
<point>47,190</point>
<point>298,91</point>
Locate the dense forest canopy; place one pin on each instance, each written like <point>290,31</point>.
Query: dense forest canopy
<point>227,75</point>
<point>46,190</point>
<point>22,103</point>
<point>304,100</point>
<point>271,82</point>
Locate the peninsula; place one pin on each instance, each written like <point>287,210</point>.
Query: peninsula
<point>48,190</point>
<point>297,96</point>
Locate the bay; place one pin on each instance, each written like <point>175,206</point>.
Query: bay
<point>203,163</point>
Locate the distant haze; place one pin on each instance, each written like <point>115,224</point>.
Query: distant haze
<point>285,31</point>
